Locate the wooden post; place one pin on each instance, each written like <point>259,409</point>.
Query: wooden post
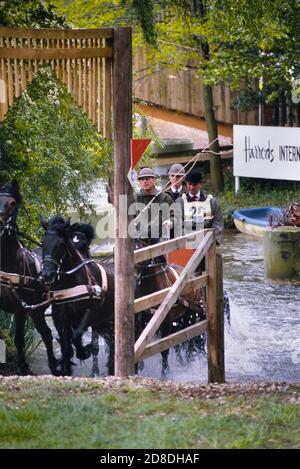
<point>220,317</point>
<point>216,367</point>
<point>124,267</point>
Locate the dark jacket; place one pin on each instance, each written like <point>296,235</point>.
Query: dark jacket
<point>150,223</point>
<point>175,196</point>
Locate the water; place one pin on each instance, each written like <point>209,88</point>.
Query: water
<point>263,341</point>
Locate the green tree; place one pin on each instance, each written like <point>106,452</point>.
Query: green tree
<point>52,149</point>
<point>253,40</point>
<point>183,23</point>
<point>30,13</point>
<point>174,28</point>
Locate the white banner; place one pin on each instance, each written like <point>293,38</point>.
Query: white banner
<point>266,152</point>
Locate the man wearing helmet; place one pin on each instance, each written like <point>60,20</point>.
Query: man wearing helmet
<point>176,177</point>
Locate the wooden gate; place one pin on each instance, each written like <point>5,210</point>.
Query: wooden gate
<point>212,280</point>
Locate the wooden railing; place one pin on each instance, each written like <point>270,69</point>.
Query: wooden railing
<point>212,280</point>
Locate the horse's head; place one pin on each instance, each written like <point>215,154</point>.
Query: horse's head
<point>54,246</point>
<point>81,235</point>
<point>10,199</point>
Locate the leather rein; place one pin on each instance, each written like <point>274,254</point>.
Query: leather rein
<point>14,281</point>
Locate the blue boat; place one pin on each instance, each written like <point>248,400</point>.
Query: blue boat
<point>254,221</point>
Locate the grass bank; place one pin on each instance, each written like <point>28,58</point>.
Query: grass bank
<point>48,412</point>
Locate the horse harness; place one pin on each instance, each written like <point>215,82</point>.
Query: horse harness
<point>14,281</point>
<point>80,292</point>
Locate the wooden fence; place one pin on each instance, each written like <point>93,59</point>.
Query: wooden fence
<point>82,59</point>
<point>212,280</point>
<point>182,91</point>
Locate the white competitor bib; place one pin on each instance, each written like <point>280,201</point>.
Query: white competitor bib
<point>195,210</point>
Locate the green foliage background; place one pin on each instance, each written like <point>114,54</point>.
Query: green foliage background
<point>52,149</point>
<point>30,13</point>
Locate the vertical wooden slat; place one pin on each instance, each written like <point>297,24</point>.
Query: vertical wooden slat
<point>23,66</point>
<point>30,63</point>
<point>107,96</point>
<point>69,73</point>
<point>94,93</point>
<point>15,70</point>
<point>99,91</point>
<point>16,78</point>
<point>58,64</point>
<point>10,85</point>
<point>3,85</point>
<point>73,74</point>
<point>57,61</point>
<point>48,46</point>
<point>75,80</point>
<point>40,45</point>
<point>35,62</point>
<point>64,63</point>
<point>79,83</point>
<point>85,83</point>
<point>90,85</point>
<point>80,89</point>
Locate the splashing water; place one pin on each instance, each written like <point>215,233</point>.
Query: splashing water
<point>263,340</point>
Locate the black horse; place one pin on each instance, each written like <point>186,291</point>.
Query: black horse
<point>81,235</point>
<point>19,278</point>
<point>64,268</point>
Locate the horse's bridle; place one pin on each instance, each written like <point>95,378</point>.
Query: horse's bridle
<point>57,263</point>
<point>163,265</point>
<point>7,219</point>
<point>50,259</point>
<point>6,226</point>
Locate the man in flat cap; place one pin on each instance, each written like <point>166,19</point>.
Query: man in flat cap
<point>199,206</point>
<point>176,177</point>
<point>153,217</point>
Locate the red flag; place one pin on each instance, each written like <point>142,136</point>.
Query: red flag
<point>138,147</point>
